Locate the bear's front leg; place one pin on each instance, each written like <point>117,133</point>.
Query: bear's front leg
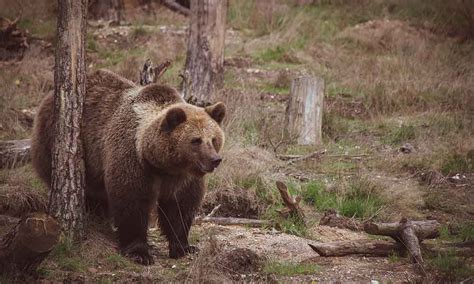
<point>132,227</point>
<point>176,214</point>
<point>130,204</point>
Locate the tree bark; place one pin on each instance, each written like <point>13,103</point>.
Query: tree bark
<point>108,10</point>
<point>364,247</point>
<point>14,153</point>
<point>304,112</point>
<point>66,201</point>
<point>205,55</point>
<point>27,244</point>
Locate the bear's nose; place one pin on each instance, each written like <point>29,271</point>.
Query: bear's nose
<point>216,161</point>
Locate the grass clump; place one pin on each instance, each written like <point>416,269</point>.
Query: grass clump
<point>360,198</point>
<point>290,268</point>
<point>456,163</point>
<point>451,267</point>
<point>117,261</point>
<point>402,134</point>
<point>66,256</point>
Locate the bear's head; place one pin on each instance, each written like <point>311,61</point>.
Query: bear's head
<point>186,139</point>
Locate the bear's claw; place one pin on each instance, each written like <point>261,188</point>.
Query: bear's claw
<point>177,251</point>
<point>139,252</point>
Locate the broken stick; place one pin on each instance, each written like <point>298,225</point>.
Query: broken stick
<point>292,204</point>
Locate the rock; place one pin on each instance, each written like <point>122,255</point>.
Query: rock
<point>407,148</point>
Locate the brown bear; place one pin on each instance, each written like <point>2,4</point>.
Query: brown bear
<point>142,146</point>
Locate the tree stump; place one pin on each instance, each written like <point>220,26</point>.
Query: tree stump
<point>205,55</point>
<point>14,153</point>
<point>304,112</point>
<point>28,243</point>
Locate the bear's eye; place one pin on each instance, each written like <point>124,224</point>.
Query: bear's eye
<point>196,141</point>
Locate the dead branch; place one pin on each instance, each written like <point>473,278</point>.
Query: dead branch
<point>14,153</point>
<point>230,221</point>
<point>362,247</point>
<point>428,229</point>
<point>28,243</point>
<point>150,74</point>
<point>292,204</point>
<point>296,158</point>
<point>332,219</point>
<point>176,7</point>
<point>385,248</point>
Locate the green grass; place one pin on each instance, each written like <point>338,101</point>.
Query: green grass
<point>138,32</point>
<point>290,268</point>
<point>360,198</point>
<point>457,163</point>
<point>452,267</point>
<point>118,262</point>
<point>463,232</point>
<point>66,256</point>
<point>402,134</point>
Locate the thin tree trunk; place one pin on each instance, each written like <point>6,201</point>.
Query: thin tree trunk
<point>67,189</point>
<point>205,55</point>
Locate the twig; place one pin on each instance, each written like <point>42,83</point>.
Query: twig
<point>213,211</point>
<point>296,158</point>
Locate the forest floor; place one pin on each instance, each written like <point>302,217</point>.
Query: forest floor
<point>394,82</point>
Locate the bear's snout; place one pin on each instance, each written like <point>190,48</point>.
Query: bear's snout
<point>216,162</point>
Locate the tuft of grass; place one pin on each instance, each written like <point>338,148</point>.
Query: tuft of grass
<point>66,256</point>
<point>118,262</point>
<point>138,32</point>
<point>290,268</point>
<point>360,198</point>
<point>452,267</point>
<point>456,163</point>
<point>402,134</point>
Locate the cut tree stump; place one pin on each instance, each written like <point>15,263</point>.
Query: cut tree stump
<point>292,204</point>
<point>304,112</point>
<point>14,153</point>
<point>363,247</point>
<point>28,243</point>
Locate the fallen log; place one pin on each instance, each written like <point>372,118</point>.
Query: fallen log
<point>229,221</point>
<point>428,229</point>
<point>27,244</point>
<point>332,219</point>
<point>383,248</point>
<point>292,204</point>
<point>362,247</point>
<point>14,153</point>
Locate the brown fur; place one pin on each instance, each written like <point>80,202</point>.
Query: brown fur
<point>143,146</point>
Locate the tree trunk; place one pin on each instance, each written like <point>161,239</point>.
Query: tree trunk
<point>108,10</point>
<point>27,244</point>
<point>66,201</point>
<point>205,56</point>
<point>304,112</point>
<point>14,153</point>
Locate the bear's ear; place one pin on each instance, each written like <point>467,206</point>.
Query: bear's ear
<point>217,111</point>
<point>173,118</point>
